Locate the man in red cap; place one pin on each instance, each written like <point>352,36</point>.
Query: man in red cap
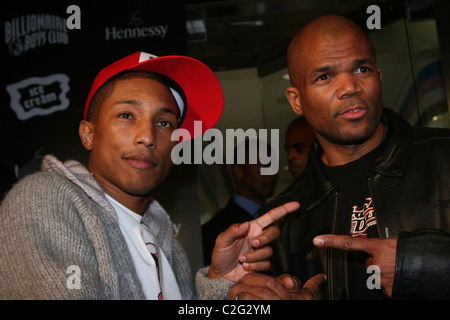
<point>71,232</point>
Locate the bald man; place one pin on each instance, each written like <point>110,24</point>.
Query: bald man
<point>298,138</point>
<point>376,191</point>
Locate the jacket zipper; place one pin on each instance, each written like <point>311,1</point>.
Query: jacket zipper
<point>386,230</point>
<point>329,251</point>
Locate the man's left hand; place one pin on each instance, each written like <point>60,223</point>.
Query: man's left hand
<point>242,248</point>
<point>382,251</point>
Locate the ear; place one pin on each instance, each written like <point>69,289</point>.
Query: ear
<point>293,96</point>
<point>86,132</point>
<point>380,73</point>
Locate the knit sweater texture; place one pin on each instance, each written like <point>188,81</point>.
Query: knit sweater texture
<point>60,239</point>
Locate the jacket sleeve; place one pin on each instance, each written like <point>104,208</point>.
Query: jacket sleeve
<point>422,265</point>
<point>211,289</point>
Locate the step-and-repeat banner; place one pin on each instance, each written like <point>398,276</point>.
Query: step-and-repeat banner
<point>51,52</point>
<point>50,55</point>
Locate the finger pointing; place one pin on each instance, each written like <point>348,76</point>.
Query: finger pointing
<point>343,242</point>
<point>277,213</point>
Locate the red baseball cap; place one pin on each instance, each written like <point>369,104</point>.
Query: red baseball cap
<point>201,89</point>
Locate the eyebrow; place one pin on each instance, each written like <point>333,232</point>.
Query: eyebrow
<point>167,110</point>
<point>330,67</point>
<point>324,69</point>
<point>360,62</point>
<point>133,102</point>
<point>136,102</point>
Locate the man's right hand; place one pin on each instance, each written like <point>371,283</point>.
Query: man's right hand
<point>255,286</point>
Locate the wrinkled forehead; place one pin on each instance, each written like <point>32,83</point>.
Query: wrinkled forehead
<point>319,49</point>
<point>347,47</point>
<point>327,33</point>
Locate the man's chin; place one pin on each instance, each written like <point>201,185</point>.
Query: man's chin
<point>296,171</point>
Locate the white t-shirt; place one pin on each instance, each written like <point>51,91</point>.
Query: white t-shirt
<point>157,279</point>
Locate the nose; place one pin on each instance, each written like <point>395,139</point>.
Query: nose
<point>292,153</point>
<point>145,134</point>
<point>348,86</point>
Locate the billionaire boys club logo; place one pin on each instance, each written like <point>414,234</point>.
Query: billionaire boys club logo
<point>32,31</point>
<point>39,96</point>
<point>362,218</point>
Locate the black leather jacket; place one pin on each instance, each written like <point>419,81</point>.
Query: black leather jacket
<point>410,189</point>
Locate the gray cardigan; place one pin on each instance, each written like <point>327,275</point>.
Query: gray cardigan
<point>59,218</point>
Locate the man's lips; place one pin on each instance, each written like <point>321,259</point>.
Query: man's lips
<point>140,161</point>
<point>353,112</point>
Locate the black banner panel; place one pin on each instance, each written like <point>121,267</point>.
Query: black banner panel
<point>52,51</point>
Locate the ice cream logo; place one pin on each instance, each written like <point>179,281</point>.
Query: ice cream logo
<point>39,96</point>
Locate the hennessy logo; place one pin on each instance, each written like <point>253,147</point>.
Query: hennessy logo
<point>138,28</point>
<point>114,33</point>
<point>39,96</point>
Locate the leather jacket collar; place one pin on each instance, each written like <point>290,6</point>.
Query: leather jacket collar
<point>391,162</point>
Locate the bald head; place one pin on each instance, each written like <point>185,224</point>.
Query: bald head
<point>336,86</point>
<point>325,29</point>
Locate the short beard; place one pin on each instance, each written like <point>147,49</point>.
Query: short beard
<point>338,139</point>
